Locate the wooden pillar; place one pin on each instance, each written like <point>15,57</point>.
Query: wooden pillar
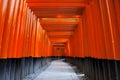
<point>114,27</point>
<point>12,30</point>
<point>3,11</point>
<point>90,29</point>
<point>7,26</point>
<point>80,39</point>
<point>98,30</point>
<point>17,28</point>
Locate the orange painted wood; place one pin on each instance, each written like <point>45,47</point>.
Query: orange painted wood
<point>43,44</point>
<point>100,42</point>
<point>21,31</point>
<point>56,5</point>
<point>60,33</point>
<point>88,25</point>
<point>28,34</point>
<point>91,31</point>
<point>95,35</point>
<point>59,51</point>
<point>58,22</point>
<point>0,10</point>
<point>68,49</point>
<point>3,11</point>
<point>7,26</point>
<point>33,37</point>
<point>17,28</point>
<point>61,1</point>
<point>38,37</point>
<point>1,25</point>
<point>90,46</point>
<point>114,27</point>
<point>74,43</point>
<point>106,29</point>
<point>117,8</point>
<point>25,42</point>
<point>41,40</point>
<point>30,29</point>
<point>49,48</point>
<point>12,30</point>
<point>80,42</point>
<point>85,38</point>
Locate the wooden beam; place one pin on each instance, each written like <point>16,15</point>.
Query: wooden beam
<point>57,27</point>
<point>61,46</point>
<point>58,43</point>
<point>64,28</point>
<point>60,36</point>
<point>55,15</point>
<point>56,40</point>
<point>57,1</point>
<point>60,33</point>
<point>56,4</point>
<point>59,22</point>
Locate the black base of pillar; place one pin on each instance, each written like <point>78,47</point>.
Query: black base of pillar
<point>97,69</point>
<point>17,69</point>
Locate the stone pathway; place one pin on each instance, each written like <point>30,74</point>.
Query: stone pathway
<point>58,70</point>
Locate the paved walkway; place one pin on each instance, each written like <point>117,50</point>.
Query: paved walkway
<point>58,70</point>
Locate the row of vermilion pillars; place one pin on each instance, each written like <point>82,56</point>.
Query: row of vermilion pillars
<point>98,34</point>
<point>21,34</point>
<point>97,69</point>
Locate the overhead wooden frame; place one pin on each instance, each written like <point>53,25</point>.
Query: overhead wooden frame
<point>60,33</point>
<point>60,36</point>
<point>58,1</point>
<point>35,5</point>
<point>58,40</point>
<point>58,9</point>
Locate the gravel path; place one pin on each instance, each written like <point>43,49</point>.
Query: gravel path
<point>58,70</point>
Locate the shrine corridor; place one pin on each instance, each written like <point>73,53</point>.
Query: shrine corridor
<point>36,34</point>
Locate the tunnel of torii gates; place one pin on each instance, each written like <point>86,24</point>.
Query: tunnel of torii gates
<point>86,32</point>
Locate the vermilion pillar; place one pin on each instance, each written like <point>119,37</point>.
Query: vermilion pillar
<point>3,11</point>
<point>17,28</point>
<point>12,29</point>
<point>7,25</point>
<point>114,27</point>
<point>21,31</point>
